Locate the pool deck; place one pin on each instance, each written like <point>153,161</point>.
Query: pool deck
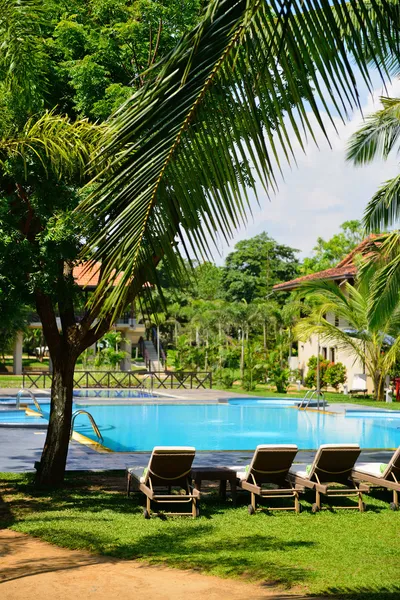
<point>21,447</point>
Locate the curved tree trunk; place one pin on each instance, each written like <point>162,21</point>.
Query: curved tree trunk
<point>51,469</point>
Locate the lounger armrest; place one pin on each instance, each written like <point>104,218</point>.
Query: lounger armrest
<point>196,493</point>
<point>146,490</point>
<point>250,487</point>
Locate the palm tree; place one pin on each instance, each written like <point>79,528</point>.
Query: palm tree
<point>379,137</point>
<point>375,346</point>
<point>185,147</point>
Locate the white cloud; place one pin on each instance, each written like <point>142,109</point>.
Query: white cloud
<point>322,191</point>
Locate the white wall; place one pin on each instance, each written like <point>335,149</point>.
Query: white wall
<point>310,348</point>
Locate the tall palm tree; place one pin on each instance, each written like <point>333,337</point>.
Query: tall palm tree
<point>378,137</point>
<point>374,345</point>
<point>185,146</point>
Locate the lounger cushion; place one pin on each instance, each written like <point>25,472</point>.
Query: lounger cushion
<point>173,449</point>
<point>369,468</point>
<point>325,446</point>
<point>299,470</point>
<point>242,475</point>
<point>276,447</point>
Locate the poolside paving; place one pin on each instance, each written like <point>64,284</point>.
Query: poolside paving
<point>21,447</point>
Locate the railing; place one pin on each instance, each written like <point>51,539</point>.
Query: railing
<point>126,379</point>
<point>309,395</point>
<point>24,390</point>
<point>92,422</point>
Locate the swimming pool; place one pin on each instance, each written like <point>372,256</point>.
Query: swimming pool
<point>236,425</point>
<point>20,418</point>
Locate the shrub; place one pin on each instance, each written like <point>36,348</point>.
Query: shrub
<point>332,374</point>
<point>335,375</point>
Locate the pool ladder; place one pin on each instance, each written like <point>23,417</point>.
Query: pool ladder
<point>33,397</point>
<point>305,402</point>
<point>92,422</point>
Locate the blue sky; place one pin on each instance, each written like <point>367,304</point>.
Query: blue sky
<point>323,190</point>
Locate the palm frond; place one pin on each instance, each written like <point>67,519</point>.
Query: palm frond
<point>22,56</point>
<point>384,207</point>
<point>379,135</point>
<point>54,139</point>
<point>385,285</point>
<point>184,145</point>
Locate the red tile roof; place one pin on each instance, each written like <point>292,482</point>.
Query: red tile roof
<point>346,269</point>
<point>86,276</point>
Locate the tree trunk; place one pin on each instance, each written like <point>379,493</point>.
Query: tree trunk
<point>379,387</point>
<point>51,469</point>
<point>265,335</point>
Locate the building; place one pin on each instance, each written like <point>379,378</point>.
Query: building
<point>344,272</point>
<point>87,279</point>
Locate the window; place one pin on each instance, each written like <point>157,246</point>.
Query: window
<point>332,354</point>
<point>336,321</point>
<point>325,353</point>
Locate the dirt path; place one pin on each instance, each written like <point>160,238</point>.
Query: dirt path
<point>34,570</point>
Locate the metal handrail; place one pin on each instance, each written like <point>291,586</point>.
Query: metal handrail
<point>309,398</point>
<point>91,419</point>
<point>33,397</point>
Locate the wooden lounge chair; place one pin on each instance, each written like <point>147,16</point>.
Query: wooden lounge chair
<point>333,464</point>
<point>381,476</point>
<point>266,476</point>
<point>359,385</point>
<point>169,469</point>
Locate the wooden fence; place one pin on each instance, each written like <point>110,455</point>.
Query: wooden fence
<point>126,379</point>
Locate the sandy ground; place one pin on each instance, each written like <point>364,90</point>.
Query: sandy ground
<point>34,570</point>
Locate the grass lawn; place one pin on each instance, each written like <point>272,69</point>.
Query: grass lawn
<point>343,554</point>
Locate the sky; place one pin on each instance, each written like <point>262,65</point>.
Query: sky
<point>323,190</point>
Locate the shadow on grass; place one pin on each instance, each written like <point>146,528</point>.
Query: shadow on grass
<point>361,593</point>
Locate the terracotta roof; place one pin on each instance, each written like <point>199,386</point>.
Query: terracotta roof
<point>88,276</point>
<point>346,269</point>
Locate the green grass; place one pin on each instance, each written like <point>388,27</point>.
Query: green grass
<point>343,554</point>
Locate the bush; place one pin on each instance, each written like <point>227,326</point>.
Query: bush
<point>224,377</point>
<point>335,375</point>
<point>248,382</point>
<point>332,374</point>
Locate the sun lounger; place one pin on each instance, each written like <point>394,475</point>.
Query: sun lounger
<point>359,384</point>
<point>384,476</point>
<point>266,476</point>
<point>333,465</point>
<point>169,468</point>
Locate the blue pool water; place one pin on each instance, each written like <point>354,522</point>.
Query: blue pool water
<point>18,417</point>
<point>238,425</point>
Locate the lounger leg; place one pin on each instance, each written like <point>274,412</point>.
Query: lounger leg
<point>253,500</point>
<point>194,508</point>
<point>128,485</point>
<point>148,504</point>
<point>233,492</point>
<point>396,498</point>
<point>360,502</point>
<point>318,499</point>
<point>296,502</point>
<point>222,489</point>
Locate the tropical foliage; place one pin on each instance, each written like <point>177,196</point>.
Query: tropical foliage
<point>372,345</point>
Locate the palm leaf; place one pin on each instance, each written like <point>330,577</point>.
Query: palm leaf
<point>183,147</point>
<point>22,56</point>
<point>379,135</point>
<point>57,141</point>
